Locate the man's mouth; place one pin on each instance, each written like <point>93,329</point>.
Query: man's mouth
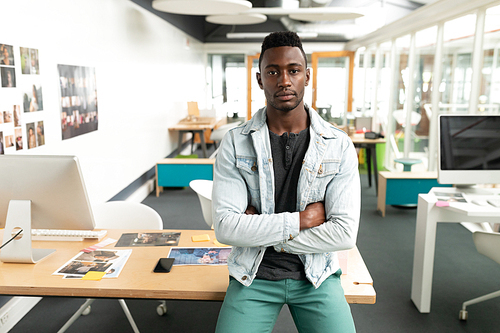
<point>285,95</point>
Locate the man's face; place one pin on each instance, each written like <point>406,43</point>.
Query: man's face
<point>283,77</point>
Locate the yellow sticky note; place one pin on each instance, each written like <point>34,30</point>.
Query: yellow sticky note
<point>217,243</point>
<point>200,238</point>
<point>94,276</point>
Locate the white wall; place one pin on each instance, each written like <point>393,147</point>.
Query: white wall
<point>146,71</point>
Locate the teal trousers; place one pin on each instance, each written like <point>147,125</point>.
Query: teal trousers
<point>254,309</point>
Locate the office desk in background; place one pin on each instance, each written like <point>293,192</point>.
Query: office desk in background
<point>137,279</point>
<point>198,125</point>
<point>428,216</point>
<point>370,146</point>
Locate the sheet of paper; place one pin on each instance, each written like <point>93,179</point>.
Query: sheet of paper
<point>94,276</point>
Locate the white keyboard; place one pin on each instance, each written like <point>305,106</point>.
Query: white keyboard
<point>66,235</point>
<point>494,202</point>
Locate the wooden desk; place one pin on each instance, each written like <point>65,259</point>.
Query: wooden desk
<point>200,126</point>
<point>137,279</point>
<point>371,154</point>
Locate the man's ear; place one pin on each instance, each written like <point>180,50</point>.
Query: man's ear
<point>308,76</point>
<point>259,80</point>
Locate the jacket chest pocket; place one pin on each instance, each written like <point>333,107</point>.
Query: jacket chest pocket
<point>248,169</point>
<point>326,172</point>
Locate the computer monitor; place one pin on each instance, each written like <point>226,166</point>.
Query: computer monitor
<point>468,150</point>
<point>43,192</point>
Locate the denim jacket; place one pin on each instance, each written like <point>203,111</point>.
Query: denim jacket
<point>244,176</point>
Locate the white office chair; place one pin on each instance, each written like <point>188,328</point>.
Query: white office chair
<point>217,134</point>
<point>488,244</point>
<point>203,188</point>
<point>121,215</point>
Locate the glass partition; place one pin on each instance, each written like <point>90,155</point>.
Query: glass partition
<point>425,48</point>
<point>489,96</point>
<point>458,44</point>
<point>395,138</point>
<point>384,84</point>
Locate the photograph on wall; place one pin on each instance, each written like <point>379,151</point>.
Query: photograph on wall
<point>9,141</point>
<point>40,136</point>
<point>30,132</point>
<point>32,98</point>
<point>7,117</point>
<point>8,77</point>
<point>79,114</point>
<point>6,55</point>
<point>35,69</point>
<point>17,115</point>
<point>18,133</point>
<point>2,149</point>
<point>29,61</point>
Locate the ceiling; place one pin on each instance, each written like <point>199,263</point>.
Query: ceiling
<point>373,14</point>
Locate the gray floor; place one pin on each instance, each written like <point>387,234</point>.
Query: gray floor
<point>386,245</point>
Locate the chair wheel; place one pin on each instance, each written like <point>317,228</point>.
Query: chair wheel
<point>86,311</point>
<point>463,315</point>
<point>161,309</point>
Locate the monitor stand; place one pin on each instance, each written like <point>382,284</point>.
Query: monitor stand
<point>19,250</point>
<point>472,190</point>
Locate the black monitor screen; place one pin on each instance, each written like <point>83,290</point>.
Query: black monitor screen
<point>470,142</point>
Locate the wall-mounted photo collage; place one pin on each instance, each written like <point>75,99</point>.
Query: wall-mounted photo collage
<point>78,100</point>
<point>21,123</point>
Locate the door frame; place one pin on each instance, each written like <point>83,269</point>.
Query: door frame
<point>333,54</point>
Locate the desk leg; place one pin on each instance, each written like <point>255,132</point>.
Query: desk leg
<point>375,171</point>
<point>179,147</point>
<point>203,144</point>
<point>423,257</point>
<point>369,164</point>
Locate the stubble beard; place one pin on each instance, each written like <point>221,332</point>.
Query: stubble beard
<point>285,108</point>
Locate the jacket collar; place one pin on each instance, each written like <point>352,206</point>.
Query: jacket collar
<point>318,125</point>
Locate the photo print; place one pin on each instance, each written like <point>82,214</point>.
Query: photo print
<point>35,69</point>
<point>9,141</point>
<point>30,133</point>
<point>2,147</point>
<point>32,98</point>
<point>79,114</point>
<point>29,61</point>
<point>17,115</point>
<point>40,136</point>
<point>8,77</point>
<point>7,117</point>
<point>18,133</point>
<point>6,55</point>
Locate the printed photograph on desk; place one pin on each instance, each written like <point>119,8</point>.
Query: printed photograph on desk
<point>199,255</point>
<point>149,239</point>
<point>109,261</point>
<point>450,197</point>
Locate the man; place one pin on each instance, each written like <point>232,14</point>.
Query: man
<point>286,196</point>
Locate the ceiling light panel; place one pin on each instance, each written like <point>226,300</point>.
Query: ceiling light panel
<point>202,7</point>
<point>239,19</point>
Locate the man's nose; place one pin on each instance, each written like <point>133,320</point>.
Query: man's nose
<point>284,80</point>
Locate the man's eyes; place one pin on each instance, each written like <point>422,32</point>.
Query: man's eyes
<point>292,71</point>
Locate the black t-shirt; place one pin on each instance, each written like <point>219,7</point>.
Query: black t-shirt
<point>288,151</point>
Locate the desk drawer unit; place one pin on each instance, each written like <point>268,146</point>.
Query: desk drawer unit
<point>177,172</point>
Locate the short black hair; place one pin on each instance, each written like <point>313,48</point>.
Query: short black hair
<point>281,38</point>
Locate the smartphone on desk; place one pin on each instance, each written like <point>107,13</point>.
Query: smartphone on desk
<point>164,265</point>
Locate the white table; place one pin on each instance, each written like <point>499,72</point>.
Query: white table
<point>428,216</point>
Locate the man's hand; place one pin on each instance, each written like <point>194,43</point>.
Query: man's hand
<point>251,210</point>
<point>312,216</point>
